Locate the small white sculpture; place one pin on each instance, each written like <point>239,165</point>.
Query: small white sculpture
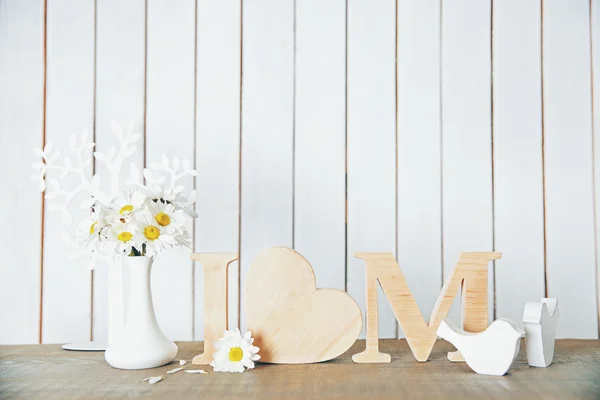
<point>540,319</point>
<point>490,352</point>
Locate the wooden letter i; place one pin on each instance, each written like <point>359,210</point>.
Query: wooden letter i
<point>215,300</point>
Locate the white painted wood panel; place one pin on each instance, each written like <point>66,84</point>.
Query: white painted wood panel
<point>419,150</point>
<point>466,135</point>
<point>120,93</point>
<point>570,254</point>
<point>217,144</point>
<point>170,117</point>
<point>595,54</point>
<point>66,298</point>
<point>267,129</point>
<point>518,175</point>
<point>320,139</point>
<point>371,144</point>
<point>21,129</point>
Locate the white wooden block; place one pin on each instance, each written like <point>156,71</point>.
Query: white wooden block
<point>490,352</point>
<point>540,320</point>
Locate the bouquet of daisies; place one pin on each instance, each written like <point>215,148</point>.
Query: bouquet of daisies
<point>137,223</point>
<point>142,220</point>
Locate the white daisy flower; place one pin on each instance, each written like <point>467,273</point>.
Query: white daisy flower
<point>124,236</point>
<point>175,198</point>
<point>154,237</point>
<point>123,207</point>
<point>89,230</point>
<point>234,352</point>
<point>166,216</point>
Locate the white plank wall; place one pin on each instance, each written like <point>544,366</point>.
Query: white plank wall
<point>371,144</point>
<point>120,94</point>
<point>267,130</point>
<point>170,130</point>
<point>595,46</point>
<point>218,77</point>
<point>466,138</point>
<point>67,287</point>
<point>517,139</point>
<point>419,150</point>
<point>320,139</point>
<point>424,128</point>
<point>21,129</point>
<point>570,253</point>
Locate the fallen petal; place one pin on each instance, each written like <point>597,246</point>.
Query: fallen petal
<point>196,371</point>
<point>182,362</point>
<point>174,370</point>
<point>146,379</point>
<point>155,379</point>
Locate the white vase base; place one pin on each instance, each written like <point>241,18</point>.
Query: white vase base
<point>96,345</point>
<point>154,356</point>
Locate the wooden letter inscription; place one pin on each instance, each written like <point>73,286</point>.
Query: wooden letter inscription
<point>215,300</point>
<point>471,272</point>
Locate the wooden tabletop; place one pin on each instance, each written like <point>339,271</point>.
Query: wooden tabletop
<point>48,372</point>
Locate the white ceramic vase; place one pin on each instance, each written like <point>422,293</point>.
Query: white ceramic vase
<point>141,344</point>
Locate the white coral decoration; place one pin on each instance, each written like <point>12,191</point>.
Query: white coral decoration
<point>116,225</point>
<point>234,352</point>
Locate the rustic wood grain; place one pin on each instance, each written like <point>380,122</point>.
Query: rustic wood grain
<point>291,321</point>
<point>46,371</point>
<point>470,274</point>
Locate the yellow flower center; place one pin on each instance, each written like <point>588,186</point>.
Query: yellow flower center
<point>162,219</point>
<point>127,208</point>
<point>235,354</point>
<point>151,232</point>
<point>93,227</point>
<point>125,236</point>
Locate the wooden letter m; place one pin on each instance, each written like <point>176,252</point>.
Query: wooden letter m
<point>470,273</point>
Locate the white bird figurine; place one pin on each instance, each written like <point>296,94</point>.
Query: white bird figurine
<point>540,319</point>
<point>490,352</point>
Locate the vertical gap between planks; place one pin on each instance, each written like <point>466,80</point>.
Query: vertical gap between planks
<point>543,145</point>
<point>195,133</point>
<point>145,79</point>
<point>294,133</point>
<point>441,160</point>
<point>594,164</point>
<point>239,263</point>
<point>94,92</point>
<point>396,141</point>
<point>346,260</point>
<point>43,214</point>
<point>493,152</point>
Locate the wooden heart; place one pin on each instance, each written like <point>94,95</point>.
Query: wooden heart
<point>293,322</point>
